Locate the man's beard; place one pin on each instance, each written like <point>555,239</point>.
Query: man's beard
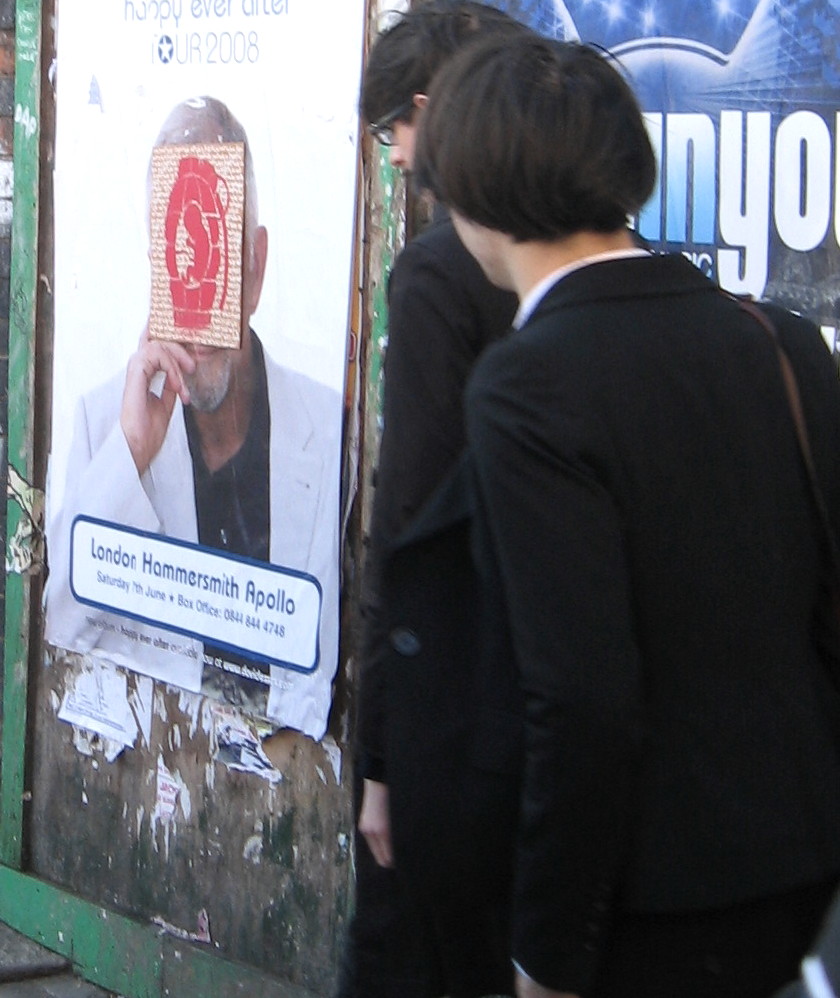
<point>209,383</point>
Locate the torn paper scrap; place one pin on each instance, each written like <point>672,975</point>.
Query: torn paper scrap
<point>166,798</point>
<point>97,699</point>
<point>201,935</point>
<point>238,746</point>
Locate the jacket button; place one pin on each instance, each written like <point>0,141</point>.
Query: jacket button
<point>405,641</point>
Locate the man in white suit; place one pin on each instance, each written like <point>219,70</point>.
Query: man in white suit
<point>235,453</point>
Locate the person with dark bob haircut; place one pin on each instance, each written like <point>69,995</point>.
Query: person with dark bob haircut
<point>645,528</point>
<point>570,153</point>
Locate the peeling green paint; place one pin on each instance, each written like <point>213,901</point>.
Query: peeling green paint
<point>126,956</point>
<point>392,226</point>
<point>23,297</point>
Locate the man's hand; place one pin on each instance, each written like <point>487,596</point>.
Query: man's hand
<point>145,416</point>
<point>375,822</point>
<point>526,988</point>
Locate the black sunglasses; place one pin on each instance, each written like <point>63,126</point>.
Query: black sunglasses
<point>383,130</point>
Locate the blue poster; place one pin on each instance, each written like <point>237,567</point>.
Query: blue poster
<point>742,101</point>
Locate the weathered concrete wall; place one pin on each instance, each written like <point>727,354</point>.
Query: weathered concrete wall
<point>168,832</point>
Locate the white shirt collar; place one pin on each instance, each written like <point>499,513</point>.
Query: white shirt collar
<point>540,290</point>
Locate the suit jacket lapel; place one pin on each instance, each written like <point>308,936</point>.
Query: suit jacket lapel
<point>295,472</point>
<point>171,487</point>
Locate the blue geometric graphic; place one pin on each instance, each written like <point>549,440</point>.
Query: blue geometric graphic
<point>691,56</point>
<point>716,25</point>
<point>742,99</point>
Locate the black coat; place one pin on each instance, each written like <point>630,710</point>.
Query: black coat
<point>452,741</point>
<point>642,497</point>
<point>442,314</point>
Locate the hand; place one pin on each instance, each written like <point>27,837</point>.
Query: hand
<point>375,822</point>
<point>526,988</point>
<point>145,416</point>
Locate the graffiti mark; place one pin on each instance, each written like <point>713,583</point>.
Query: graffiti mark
<point>27,120</point>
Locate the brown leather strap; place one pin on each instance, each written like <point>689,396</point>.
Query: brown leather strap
<point>795,402</point>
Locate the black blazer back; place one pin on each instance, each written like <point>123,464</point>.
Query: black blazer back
<point>639,381</point>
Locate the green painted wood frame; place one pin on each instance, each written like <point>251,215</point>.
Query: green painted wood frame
<point>121,954</point>
<point>135,960</point>
<point>19,436</point>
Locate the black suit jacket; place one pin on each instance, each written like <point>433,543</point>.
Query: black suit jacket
<point>452,739</point>
<point>419,649</point>
<point>442,313</point>
<point>643,502</point>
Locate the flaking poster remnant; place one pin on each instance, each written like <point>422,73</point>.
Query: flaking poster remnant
<point>237,745</point>
<point>25,549</point>
<point>97,699</point>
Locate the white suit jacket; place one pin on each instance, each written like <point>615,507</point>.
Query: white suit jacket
<point>102,482</point>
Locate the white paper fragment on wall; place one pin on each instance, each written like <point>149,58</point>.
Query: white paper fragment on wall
<point>166,797</point>
<point>237,745</point>
<point>140,700</point>
<point>252,852</point>
<point>201,935</point>
<point>96,699</point>
<point>333,753</point>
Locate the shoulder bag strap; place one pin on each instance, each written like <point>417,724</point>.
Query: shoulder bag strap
<point>795,402</point>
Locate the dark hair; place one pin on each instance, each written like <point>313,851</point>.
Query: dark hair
<point>535,138</point>
<point>407,55</point>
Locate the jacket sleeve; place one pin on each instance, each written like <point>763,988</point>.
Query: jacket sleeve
<point>556,542</point>
<point>434,337</point>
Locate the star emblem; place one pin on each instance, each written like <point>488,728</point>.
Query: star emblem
<point>165,49</point>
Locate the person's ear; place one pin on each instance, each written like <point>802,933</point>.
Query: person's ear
<point>259,255</point>
<point>420,100</point>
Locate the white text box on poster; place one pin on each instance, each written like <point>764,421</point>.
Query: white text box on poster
<point>260,610</point>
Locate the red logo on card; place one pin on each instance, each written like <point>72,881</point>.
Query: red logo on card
<point>197,243</point>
